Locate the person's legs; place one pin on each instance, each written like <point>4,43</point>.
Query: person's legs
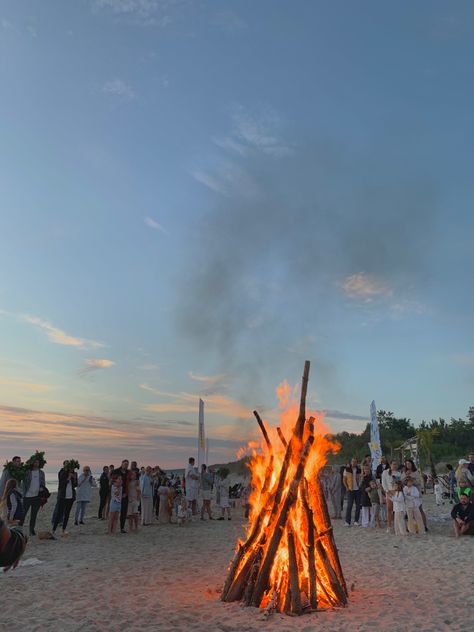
<point>35,505</point>
<point>77,512</point>
<point>358,498</point>
<point>457,529</point>
<point>389,512</point>
<point>58,513</point>
<point>100,513</point>
<point>123,513</point>
<point>419,520</point>
<point>365,516</point>
<point>350,502</point>
<point>411,520</point>
<point>26,506</point>
<point>400,527</point>
<point>82,515</point>
<point>68,503</point>
<point>423,515</point>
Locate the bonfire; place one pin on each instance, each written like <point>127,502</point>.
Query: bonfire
<point>289,561</point>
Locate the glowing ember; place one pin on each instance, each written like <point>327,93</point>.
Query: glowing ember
<point>289,561</point>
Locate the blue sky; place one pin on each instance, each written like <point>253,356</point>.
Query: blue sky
<point>197,197</point>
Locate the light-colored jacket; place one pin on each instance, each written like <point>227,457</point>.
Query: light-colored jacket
<point>84,487</point>
<point>388,479</point>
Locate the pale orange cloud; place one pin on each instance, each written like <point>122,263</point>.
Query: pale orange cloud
<point>58,336</point>
<point>26,386</point>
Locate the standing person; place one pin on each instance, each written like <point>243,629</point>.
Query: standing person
<point>451,483</point>
<point>463,516</point>
<point>56,506</point>
<point>334,488</point>
<point>381,467</point>
<point>7,476</point>
<point>438,492</point>
<point>104,492</point>
<point>164,515</point>
<point>352,481</point>
<point>11,503</point>
<point>192,485</point>
<point>146,494</point>
<point>374,495</point>
<point>206,489</point>
<point>412,504</point>
<point>133,500</point>
<point>67,496</point>
<point>399,509</point>
<point>410,471</point>
<point>124,473</point>
<point>342,469</point>
<point>223,491</point>
<point>389,478</point>
<point>365,501</point>
<point>85,484</point>
<point>115,504</point>
<point>32,485</point>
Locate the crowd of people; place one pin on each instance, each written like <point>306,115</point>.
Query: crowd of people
<point>391,494</point>
<point>128,495</point>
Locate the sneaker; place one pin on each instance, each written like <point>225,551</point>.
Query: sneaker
<point>76,523</point>
<point>221,518</point>
<point>123,530</point>
<point>82,522</point>
<point>356,524</point>
<point>347,524</point>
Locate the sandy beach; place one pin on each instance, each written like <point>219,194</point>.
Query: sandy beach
<point>168,578</point>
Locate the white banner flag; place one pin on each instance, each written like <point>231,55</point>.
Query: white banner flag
<point>374,445</point>
<point>201,436</point>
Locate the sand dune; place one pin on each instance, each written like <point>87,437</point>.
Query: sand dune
<point>168,579</point>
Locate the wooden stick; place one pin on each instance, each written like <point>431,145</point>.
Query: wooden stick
<point>311,544</point>
<point>282,437</point>
<point>279,525</point>
<point>302,415</point>
<point>264,431</point>
<point>294,583</point>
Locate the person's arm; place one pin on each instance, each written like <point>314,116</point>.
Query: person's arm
<point>14,505</point>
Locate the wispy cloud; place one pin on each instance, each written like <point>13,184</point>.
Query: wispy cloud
<point>152,223</point>
<point>96,364</point>
<point>229,20</point>
<point>208,379</point>
<point>140,12</point>
<point>118,88</point>
<point>188,403</point>
<point>58,336</point>
<point>259,131</point>
<point>210,181</point>
<point>24,386</point>
<point>227,178</point>
<point>365,287</point>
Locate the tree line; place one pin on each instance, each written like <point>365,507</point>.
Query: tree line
<point>438,439</point>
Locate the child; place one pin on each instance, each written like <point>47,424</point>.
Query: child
<point>398,500</point>
<point>182,512</point>
<point>133,501</point>
<point>115,504</point>
<point>375,501</point>
<point>412,503</point>
<point>438,490</point>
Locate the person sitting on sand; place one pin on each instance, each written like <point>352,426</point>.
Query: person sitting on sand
<point>115,507</point>
<point>223,492</point>
<point>463,516</point>
<point>12,546</point>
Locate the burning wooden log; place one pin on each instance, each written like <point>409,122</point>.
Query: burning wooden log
<point>289,561</point>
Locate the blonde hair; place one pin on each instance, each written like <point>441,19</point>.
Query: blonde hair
<point>9,487</point>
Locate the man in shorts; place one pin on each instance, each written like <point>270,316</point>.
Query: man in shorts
<point>192,485</point>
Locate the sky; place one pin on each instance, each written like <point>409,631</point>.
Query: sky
<point>196,197</point>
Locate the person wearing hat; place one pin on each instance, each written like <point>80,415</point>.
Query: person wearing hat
<point>463,516</point>
<point>463,472</point>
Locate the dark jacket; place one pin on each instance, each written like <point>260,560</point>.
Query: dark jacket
<point>104,484</point>
<point>365,499</point>
<point>63,481</point>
